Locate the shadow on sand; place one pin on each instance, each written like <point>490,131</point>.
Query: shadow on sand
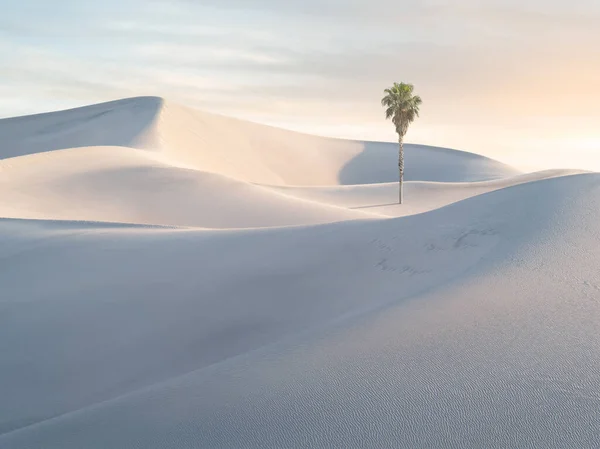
<point>378,163</point>
<point>375,205</point>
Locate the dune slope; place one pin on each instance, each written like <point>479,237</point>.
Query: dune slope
<point>127,185</point>
<point>477,320</point>
<point>421,196</point>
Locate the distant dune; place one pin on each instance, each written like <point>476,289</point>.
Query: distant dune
<point>139,309</point>
<point>234,148</point>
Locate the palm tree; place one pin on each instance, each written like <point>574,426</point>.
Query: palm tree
<point>403,108</point>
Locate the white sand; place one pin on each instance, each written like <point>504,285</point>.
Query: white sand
<point>127,185</point>
<point>469,320</point>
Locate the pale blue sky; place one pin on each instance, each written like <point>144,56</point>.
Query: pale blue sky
<point>516,80</point>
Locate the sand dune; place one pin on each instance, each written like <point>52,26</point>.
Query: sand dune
<point>421,196</point>
<point>148,161</point>
<point>120,184</point>
<point>234,148</point>
<point>393,320</point>
<point>128,122</point>
<point>465,318</point>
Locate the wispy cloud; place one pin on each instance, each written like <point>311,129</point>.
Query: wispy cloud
<point>319,65</point>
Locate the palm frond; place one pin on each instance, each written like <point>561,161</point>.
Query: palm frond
<point>401,105</point>
<point>389,112</point>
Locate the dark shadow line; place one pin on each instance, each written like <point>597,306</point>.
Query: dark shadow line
<point>377,205</point>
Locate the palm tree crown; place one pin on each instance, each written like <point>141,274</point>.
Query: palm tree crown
<point>402,106</point>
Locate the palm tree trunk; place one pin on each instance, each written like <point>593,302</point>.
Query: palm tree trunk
<point>400,167</point>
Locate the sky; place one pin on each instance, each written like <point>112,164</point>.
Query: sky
<point>515,80</point>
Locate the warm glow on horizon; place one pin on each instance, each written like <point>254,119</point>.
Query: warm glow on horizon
<point>514,81</point>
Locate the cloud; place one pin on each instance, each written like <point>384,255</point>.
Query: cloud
<point>503,67</point>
